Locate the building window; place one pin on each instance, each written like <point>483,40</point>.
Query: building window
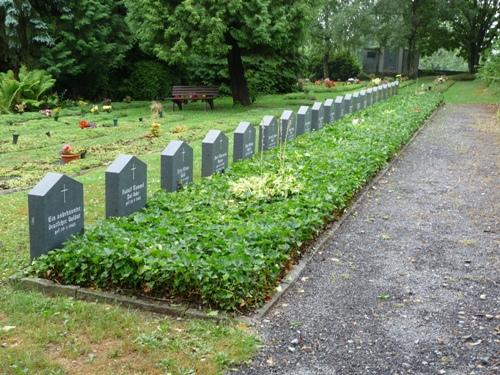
<point>371,55</point>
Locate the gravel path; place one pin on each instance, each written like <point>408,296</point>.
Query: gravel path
<point>409,284</point>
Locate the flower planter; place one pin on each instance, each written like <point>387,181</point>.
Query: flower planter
<point>115,122</point>
<point>15,138</point>
<point>67,158</point>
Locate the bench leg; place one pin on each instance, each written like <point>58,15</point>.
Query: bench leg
<point>211,103</point>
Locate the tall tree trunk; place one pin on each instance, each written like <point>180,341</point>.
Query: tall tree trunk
<point>326,60</point>
<point>412,57</point>
<point>239,86</point>
<point>473,58</point>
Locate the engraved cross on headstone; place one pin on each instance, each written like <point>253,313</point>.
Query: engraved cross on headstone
<point>64,190</point>
<point>133,171</point>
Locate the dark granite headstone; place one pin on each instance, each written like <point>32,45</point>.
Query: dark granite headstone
<point>288,126</point>
<point>268,133</point>
<point>214,153</point>
<point>126,186</point>
<point>317,116</point>
<point>369,97</point>
<point>376,93</point>
<point>56,212</point>
<point>385,91</point>
<point>338,110</point>
<point>328,111</point>
<point>244,141</point>
<point>176,166</point>
<point>355,101</point>
<point>362,99</point>
<point>347,104</point>
<point>303,120</point>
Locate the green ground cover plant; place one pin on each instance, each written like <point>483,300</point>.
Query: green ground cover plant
<point>208,245</point>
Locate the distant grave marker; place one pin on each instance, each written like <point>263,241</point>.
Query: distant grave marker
<point>244,141</point>
<point>268,133</point>
<point>355,101</point>
<point>347,104</point>
<point>369,97</point>
<point>328,111</point>
<point>288,126</point>
<point>56,212</point>
<point>303,120</point>
<point>126,186</point>
<point>176,166</point>
<point>362,99</point>
<point>317,116</point>
<point>214,153</point>
<point>338,110</point>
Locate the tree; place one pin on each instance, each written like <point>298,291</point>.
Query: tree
<point>475,25</point>
<point>183,30</point>
<point>23,30</point>
<point>340,26</point>
<point>90,39</point>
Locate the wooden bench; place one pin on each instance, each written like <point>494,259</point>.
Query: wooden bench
<point>184,94</point>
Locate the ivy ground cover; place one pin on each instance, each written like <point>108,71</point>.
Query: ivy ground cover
<point>209,246</point>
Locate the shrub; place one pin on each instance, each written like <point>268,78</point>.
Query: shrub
<point>26,91</point>
<point>149,80</point>
<point>341,67</point>
<point>226,240</point>
<point>490,69</point>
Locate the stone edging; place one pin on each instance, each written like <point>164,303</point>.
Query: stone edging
<point>53,289</point>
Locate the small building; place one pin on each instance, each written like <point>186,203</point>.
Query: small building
<point>386,61</point>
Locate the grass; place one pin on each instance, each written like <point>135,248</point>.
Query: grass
<point>59,335</point>
<point>52,350</point>
<point>218,243</point>
<point>471,92</point>
<point>63,336</point>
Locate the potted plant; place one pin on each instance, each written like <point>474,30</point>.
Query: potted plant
<point>156,109</point>
<point>67,154</point>
<point>82,104</point>
<point>56,112</point>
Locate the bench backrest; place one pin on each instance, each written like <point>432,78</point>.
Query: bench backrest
<point>197,91</point>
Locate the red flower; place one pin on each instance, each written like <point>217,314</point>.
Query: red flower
<point>67,149</point>
<point>84,124</point>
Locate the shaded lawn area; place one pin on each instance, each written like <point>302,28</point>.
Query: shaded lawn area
<point>471,92</point>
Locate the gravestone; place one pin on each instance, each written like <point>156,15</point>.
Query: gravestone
<point>385,91</point>
<point>369,97</point>
<point>328,111</point>
<point>362,99</point>
<point>347,104</point>
<point>214,153</point>
<point>397,86</point>
<point>303,120</point>
<point>268,133</point>
<point>288,126</point>
<point>355,101</point>
<point>243,141</point>
<point>376,91</point>
<point>55,209</point>
<point>338,108</point>
<point>317,116</point>
<point>176,166</point>
<point>126,186</point>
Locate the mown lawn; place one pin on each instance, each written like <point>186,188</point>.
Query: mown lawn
<point>54,336</point>
<point>471,92</point>
<point>82,338</point>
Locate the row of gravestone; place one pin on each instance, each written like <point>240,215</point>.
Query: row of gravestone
<point>55,204</point>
